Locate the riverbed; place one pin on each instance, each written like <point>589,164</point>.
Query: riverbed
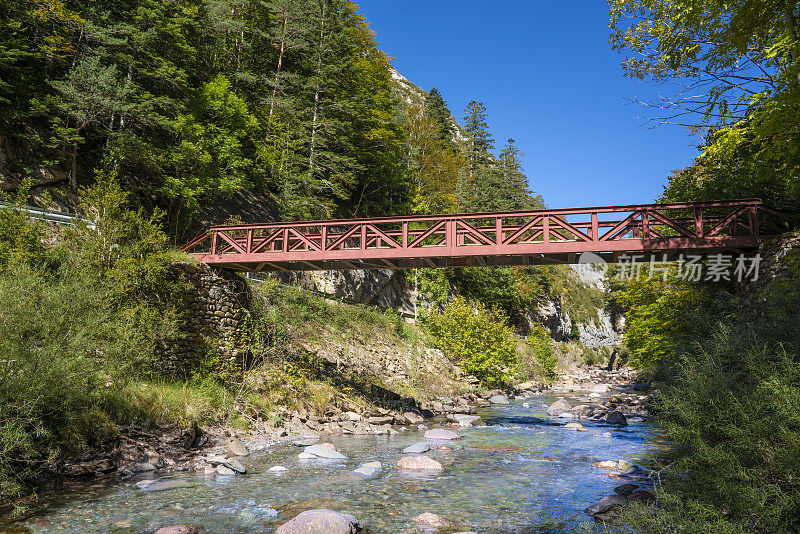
<point>521,472</point>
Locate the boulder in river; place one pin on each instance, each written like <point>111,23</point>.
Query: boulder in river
<point>528,386</point>
<point>432,520</point>
<point>558,407</point>
<point>222,470</point>
<point>179,529</point>
<point>625,466</point>
<point>417,448</point>
<point>576,426</point>
<point>419,462</point>
<point>465,420</point>
<point>322,522</point>
<point>625,489</point>
<point>498,399</point>
<point>236,447</point>
<point>413,418</point>
<point>616,418</point>
<point>606,464</point>
<point>325,450</point>
<point>369,469</point>
<point>605,504</point>
<point>441,434</point>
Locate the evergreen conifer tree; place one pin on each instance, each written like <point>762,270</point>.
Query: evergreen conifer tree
<point>436,108</point>
<point>480,142</point>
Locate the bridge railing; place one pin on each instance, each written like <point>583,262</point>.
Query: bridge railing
<point>598,229</point>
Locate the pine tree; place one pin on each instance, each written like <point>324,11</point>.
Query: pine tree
<point>504,187</point>
<point>479,141</point>
<point>290,40</point>
<point>435,167</point>
<point>436,108</point>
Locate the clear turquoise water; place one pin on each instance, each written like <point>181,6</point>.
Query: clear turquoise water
<point>542,486</point>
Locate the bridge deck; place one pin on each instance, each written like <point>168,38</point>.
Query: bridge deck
<point>486,239</point>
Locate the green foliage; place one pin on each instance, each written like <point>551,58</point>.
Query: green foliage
<point>434,164</point>
<point>511,289</point>
<point>729,403</point>
<point>214,139</point>
<point>731,413</point>
<point>190,99</point>
<point>782,296</point>
<point>76,323</point>
<point>476,337</point>
<point>737,53</point>
<point>591,356</point>
<point>739,68</point>
<point>656,320</point>
<point>480,142</point>
<point>537,359</point>
<point>20,240</point>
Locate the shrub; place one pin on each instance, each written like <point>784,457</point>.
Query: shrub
<point>732,414</point>
<point>658,323</point>
<point>537,359</point>
<point>77,322</point>
<point>476,337</point>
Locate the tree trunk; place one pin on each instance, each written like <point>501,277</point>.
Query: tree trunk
<point>280,64</point>
<point>73,175</point>
<point>316,93</point>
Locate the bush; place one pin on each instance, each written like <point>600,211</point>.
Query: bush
<point>664,317</point>
<point>732,414</point>
<point>476,337</point>
<point>537,359</point>
<point>77,322</point>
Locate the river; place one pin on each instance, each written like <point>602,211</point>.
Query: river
<point>522,472</point>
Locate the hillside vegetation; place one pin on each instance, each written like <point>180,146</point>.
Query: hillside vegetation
<point>727,359</point>
<point>84,312</point>
<point>193,101</point>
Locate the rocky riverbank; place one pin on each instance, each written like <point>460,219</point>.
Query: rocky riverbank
<point>596,404</point>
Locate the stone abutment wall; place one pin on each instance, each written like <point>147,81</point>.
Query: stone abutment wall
<point>213,309</point>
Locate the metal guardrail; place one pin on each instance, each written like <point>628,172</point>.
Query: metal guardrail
<point>57,217</point>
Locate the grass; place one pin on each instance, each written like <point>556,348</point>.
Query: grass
<point>310,315</point>
<point>161,401</point>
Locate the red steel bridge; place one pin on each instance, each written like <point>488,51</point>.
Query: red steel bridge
<point>537,237</point>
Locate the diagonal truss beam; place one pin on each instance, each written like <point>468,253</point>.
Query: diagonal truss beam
<point>507,238</point>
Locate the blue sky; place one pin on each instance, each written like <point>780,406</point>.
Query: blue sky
<point>549,79</point>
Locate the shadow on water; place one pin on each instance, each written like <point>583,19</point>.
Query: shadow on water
<point>517,420</point>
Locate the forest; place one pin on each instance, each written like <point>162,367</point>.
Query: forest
<point>190,101</point>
